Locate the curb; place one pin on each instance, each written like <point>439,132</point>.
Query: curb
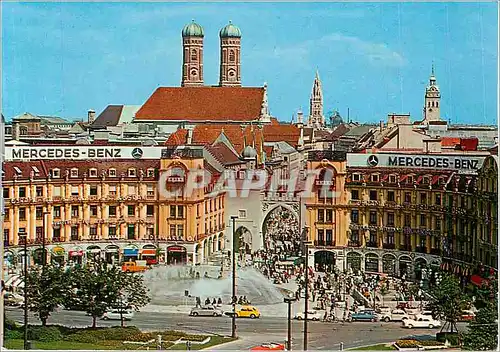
<point>238,339</point>
<point>372,344</point>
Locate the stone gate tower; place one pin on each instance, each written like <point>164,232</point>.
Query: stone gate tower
<point>192,55</point>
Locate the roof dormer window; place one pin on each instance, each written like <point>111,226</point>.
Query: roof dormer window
<point>151,172</point>
<point>74,172</point>
<point>56,173</point>
<point>409,180</point>
<point>18,171</point>
<point>392,179</point>
<point>374,178</point>
<point>132,172</point>
<point>356,177</point>
<point>425,180</point>
<point>36,171</point>
<point>93,172</point>
<point>112,172</point>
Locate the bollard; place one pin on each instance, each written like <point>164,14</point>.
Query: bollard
<point>29,345</point>
<point>158,342</point>
<point>341,346</point>
<point>188,345</point>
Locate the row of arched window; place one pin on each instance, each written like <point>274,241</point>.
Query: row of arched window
<point>433,104</point>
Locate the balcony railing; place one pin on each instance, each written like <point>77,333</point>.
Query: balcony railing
<point>372,244</point>
<point>436,251</point>
<point>353,244</point>
<point>389,246</point>
<point>405,247</point>
<point>421,249</point>
<point>324,243</point>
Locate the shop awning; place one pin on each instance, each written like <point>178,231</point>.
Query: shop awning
<point>130,252</point>
<point>478,280</point>
<point>148,252</point>
<point>176,249</point>
<point>112,249</point>
<point>75,253</point>
<point>58,251</point>
<point>94,250</point>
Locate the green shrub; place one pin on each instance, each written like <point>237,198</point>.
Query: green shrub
<point>430,343</point>
<point>44,333</point>
<point>452,337</point>
<point>407,343</point>
<point>14,335</point>
<point>99,334</point>
<point>9,324</point>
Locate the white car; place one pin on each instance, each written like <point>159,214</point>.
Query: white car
<point>395,315</point>
<point>421,321</point>
<point>311,315</point>
<point>115,314</point>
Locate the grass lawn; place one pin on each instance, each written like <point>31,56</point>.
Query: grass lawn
<point>379,347</point>
<point>68,345</point>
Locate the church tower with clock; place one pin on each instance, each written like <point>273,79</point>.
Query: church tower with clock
<point>432,100</point>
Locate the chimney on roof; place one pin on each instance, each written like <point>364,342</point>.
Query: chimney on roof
<point>381,125</point>
<point>90,116</point>
<point>189,139</point>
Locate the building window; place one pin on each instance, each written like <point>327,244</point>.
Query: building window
<point>409,180</point>
<point>150,210</point>
<point>172,231</point>
<point>373,218</point>
<point>407,220</point>
<point>329,237</point>
<point>242,214</point>
<point>74,173</point>
<point>438,199</point>
<point>390,219</point>
<point>390,238</point>
<point>74,233</point>
<point>321,237</point>
<point>22,192</point>
<point>355,194</point>
<point>93,173</point>
<point>373,238</point>
<point>173,209</point>
<point>6,237</point>
<point>231,56</point>
<point>131,232</point>
<point>194,55</point>
<point>180,231</point>
<point>56,173</point>
<point>150,191</point>
<point>329,215</point>
<point>112,172</point>
<point>150,233</point>
<point>407,197</point>
<point>425,180</point>
<point>93,190</point>
<point>57,211</point>
<point>392,179</point>
<point>112,191</point>
<point>93,231</point>
<point>74,211</point>
<point>112,211</point>
<point>422,220</point>
<point>56,191</point>
<point>355,216</point>
<point>132,172</point>
<point>131,210</point>
<point>56,234</point>
<point>6,192</point>
<point>390,196</point>
<point>355,236</point>
<point>131,190</point>
<point>321,215</point>
<point>74,190</point>
<point>39,213</point>
<point>374,178</point>
<point>39,191</point>
<point>373,195</point>
<point>438,224</point>
<point>151,172</point>
<point>93,210</point>
<point>180,212</point>
<point>356,177</point>
<point>112,231</point>
<point>423,198</point>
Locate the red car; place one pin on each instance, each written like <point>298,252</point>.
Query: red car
<point>269,347</point>
<point>467,315</point>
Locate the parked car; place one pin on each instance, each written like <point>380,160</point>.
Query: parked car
<point>13,299</point>
<point>248,312</point>
<point>364,315</point>
<point>206,311</point>
<point>421,321</point>
<point>116,314</point>
<point>395,315</point>
<point>311,315</point>
<point>412,311</point>
<point>269,347</point>
<point>467,315</point>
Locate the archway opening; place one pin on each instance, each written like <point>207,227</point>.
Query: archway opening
<point>371,263</point>
<point>93,253</point>
<point>389,264</point>
<point>149,253</point>
<point>112,253</point>
<point>75,256</point>
<point>281,232</point>
<point>324,261</point>
<point>38,256</point>
<point>420,263</point>
<point>405,265</point>
<point>176,255</point>
<point>243,240</point>
<point>57,255</point>
<point>354,261</point>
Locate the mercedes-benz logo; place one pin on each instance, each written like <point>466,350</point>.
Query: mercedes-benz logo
<point>137,153</point>
<point>372,160</point>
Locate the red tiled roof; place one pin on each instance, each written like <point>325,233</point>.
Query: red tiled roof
<point>282,133</point>
<point>450,141</point>
<point>223,153</point>
<point>203,104</point>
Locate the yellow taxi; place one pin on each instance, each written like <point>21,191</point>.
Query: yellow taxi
<point>248,312</point>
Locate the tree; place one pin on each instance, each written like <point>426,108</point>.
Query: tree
<point>483,330</point>
<point>96,287</point>
<point>383,291</point>
<point>133,293</point>
<point>448,301</point>
<point>46,290</point>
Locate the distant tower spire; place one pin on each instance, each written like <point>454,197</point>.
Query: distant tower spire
<point>192,58</point>
<point>316,117</point>
<point>432,99</point>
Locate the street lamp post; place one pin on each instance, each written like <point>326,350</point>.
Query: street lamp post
<point>233,317</point>
<point>44,258</point>
<point>25,265</point>
<point>306,283</point>
<point>289,301</point>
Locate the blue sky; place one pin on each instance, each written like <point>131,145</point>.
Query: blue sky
<point>375,59</point>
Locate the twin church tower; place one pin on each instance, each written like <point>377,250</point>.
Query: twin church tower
<point>230,53</point>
